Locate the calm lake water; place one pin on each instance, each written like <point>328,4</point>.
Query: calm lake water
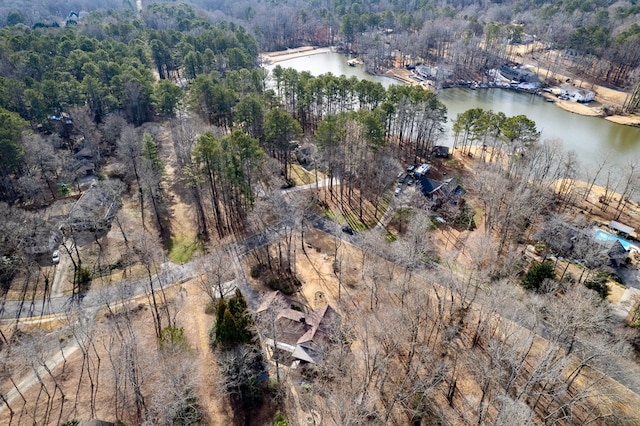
<point>590,137</point>
<point>335,63</point>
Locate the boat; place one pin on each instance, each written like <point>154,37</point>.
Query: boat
<point>352,62</point>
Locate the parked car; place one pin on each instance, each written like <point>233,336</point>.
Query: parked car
<point>55,258</point>
<point>347,230</point>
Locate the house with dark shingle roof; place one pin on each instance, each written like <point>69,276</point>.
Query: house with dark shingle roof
<point>447,191</point>
<point>301,334</point>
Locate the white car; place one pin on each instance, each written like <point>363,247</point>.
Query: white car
<point>55,258</point>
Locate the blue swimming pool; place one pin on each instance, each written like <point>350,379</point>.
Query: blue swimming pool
<point>601,235</point>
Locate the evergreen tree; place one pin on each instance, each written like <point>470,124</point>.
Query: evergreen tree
<point>537,274</point>
<point>233,321</point>
<point>598,283</point>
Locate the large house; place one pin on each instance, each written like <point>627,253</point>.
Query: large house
<point>582,246</point>
<point>301,334</point>
<point>447,191</point>
<point>572,93</point>
<point>93,213</point>
<point>518,74</point>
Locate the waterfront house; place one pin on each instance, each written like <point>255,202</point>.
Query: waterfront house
<point>576,94</point>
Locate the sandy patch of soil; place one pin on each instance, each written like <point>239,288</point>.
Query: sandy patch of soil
<point>285,55</point>
<point>628,120</point>
<point>325,277</point>
<point>578,108</point>
<point>616,293</point>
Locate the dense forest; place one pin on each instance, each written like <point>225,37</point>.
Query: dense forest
<point>602,38</point>
<point>156,184</point>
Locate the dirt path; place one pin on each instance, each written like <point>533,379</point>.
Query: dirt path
<point>32,378</point>
<point>196,324</point>
<point>195,321</point>
<point>182,220</point>
<point>320,184</point>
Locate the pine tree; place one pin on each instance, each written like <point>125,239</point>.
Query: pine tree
<point>233,321</point>
<point>228,334</point>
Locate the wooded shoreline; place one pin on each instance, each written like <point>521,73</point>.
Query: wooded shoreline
<point>604,95</point>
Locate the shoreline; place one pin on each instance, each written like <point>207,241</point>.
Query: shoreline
<point>603,95</point>
<point>630,215</point>
<point>267,58</point>
<point>402,75</point>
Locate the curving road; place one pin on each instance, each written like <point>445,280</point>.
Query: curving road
<point>169,275</point>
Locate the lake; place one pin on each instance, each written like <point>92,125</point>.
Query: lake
<point>335,63</point>
<point>590,137</point>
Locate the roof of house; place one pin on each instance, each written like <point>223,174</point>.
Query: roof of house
<point>451,188</point>
<point>291,324</point>
<point>620,227</point>
<point>518,73</point>
<point>579,244</point>
<point>429,186</point>
<point>321,320</point>
<point>85,152</point>
<point>300,333</point>
<point>617,254</point>
<point>440,151</point>
<point>305,353</point>
<point>269,299</point>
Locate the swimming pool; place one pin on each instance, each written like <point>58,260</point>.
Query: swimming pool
<point>601,235</point>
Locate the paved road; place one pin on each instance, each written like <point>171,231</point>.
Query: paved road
<point>170,274</point>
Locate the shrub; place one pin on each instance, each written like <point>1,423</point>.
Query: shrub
<point>537,274</point>
<point>464,220</point>
<point>172,337</point>
<point>64,189</point>
<point>189,412</point>
<point>233,322</point>
<point>210,309</point>
<point>598,283</point>
<point>256,271</point>
<point>280,420</point>
<point>83,275</point>
<point>285,285</point>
